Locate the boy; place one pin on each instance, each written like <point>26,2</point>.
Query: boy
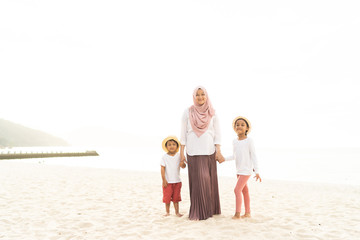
<point>170,174</point>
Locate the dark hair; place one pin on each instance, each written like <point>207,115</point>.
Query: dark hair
<point>177,144</point>
<point>247,124</point>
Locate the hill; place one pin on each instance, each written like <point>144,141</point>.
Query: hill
<point>15,135</point>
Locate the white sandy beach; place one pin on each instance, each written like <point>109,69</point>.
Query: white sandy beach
<point>39,201</point>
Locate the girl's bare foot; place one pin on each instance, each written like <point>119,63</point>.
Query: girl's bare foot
<point>167,214</point>
<point>236,216</point>
<point>246,215</point>
<point>179,215</point>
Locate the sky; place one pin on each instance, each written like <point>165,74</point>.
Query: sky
<point>130,67</point>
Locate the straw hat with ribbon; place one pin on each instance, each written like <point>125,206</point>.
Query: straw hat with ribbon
<point>170,138</point>
<point>243,118</point>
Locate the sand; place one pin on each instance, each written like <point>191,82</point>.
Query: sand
<point>39,201</point>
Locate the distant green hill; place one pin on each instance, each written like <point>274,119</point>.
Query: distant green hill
<point>15,135</point>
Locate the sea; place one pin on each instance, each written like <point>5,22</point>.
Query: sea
<point>332,165</point>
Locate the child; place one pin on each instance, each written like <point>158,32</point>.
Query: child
<point>246,162</point>
<point>170,173</point>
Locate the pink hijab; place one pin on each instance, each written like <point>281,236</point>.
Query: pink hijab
<point>200,115</point>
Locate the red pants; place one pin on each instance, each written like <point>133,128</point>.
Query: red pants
<point>172,192</point>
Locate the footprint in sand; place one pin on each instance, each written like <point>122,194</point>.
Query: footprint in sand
<point>85,225</point>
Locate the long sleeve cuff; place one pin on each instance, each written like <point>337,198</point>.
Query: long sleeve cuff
<point>217,141</point>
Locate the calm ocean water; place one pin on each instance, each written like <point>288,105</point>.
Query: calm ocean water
<point>310,165</point>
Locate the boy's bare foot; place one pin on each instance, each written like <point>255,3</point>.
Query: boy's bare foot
<point>236,216</point>
<point>167,214</point>
<point>246,215</point>
<point>179,215</point>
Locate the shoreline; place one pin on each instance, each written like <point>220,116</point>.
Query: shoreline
<point>183,172</point>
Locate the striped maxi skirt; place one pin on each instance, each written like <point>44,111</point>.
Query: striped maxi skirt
<point>203,186</point>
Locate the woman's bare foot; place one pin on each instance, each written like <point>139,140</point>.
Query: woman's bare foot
<point>167,214</point>
<point>246,215</point>
<point>179,215</point>
<point>236,216</point>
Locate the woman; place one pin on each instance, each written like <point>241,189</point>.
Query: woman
<point>200,134</point>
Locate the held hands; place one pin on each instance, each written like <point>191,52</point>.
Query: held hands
<point>182,164</point>
<point>182,155</point>
<point>219,157</point>
<point>182,158</point>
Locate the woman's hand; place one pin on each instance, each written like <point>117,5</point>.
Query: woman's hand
<point>218,156</point>
<point>182,164</point>
<point>182,158</point>
<point>182,155</point>
<point>221,159</point>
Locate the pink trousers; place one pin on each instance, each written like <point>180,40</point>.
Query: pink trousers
<point>241,189</point>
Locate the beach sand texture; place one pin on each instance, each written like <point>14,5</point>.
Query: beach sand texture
<point>39,201</point>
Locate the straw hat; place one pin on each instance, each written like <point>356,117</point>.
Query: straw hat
<point>243,118</point>
<point>170,138</point>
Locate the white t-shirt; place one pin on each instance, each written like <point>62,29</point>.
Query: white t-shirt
<point>203,145</point>
<point>244,156</point>
<point>172,167</point>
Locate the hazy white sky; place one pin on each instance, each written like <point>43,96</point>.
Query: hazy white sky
<point>291,67</point>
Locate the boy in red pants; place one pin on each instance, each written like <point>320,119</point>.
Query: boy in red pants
<point>170,174</point>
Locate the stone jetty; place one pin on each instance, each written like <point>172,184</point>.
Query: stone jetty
<point>20,155</point>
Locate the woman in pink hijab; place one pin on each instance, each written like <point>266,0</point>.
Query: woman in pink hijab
<point>200,134</point>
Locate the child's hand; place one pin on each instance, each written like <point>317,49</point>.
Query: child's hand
<point>164,183</point>
<point>182,164</point>
<point>221,159</point>
<point>182,158</point>
<point>257,177</point>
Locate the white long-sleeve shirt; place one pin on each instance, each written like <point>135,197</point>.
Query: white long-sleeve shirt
<point>244,156</point>
<point>203,145</point>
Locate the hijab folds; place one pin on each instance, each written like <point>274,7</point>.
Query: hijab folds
<point>200,115</point>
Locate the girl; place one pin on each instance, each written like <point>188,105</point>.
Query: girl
<point>246,162</point>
